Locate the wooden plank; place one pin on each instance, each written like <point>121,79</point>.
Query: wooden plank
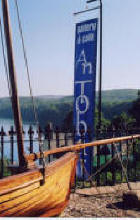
<point>35,201</point>
<point>55,191</point>
<point>19,192</point>
<point>15,181</point>
<point>48,178</point>
<point>55,211</point>
<point>45,204</point>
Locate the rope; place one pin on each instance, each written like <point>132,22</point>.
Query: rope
<point>26,63</point>
<point>4,59</point>
<point>123,168</point>
<point>42,157</point>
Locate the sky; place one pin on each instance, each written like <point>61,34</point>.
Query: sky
<point>49,34</point>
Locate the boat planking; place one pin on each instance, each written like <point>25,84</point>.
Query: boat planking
<point>23,195</point>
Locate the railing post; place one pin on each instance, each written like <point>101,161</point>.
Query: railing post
<point>105,151</point>
<point>31,133</point>
<point>98,165</point>
<point>74,141</point>
<point>113,169</point>
<point>82,133</point>
<point>138,146</point>
<point>89,134</point>
<point>98,158</point>
<point>66,138</point>
<point>11,133</point>
<point>105,163</point>
<point>131,165</point>
<point>121,159</point>
<point>128,166</point>
<point>2,134</point>
<point>40,131</point>
<point>48,136</point>
<point>73,136</point>
<point>134,159</point>
<point>57,137</point>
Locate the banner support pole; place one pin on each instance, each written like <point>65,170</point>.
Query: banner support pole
<point>100,73</point>
<point>87,10</point>
<point>100,68</point>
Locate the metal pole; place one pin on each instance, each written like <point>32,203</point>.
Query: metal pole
<point>100,72</point>
<point>87,10</point>
<point>100,68</point>
<point>13,82</point>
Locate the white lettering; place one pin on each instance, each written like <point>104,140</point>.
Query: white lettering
<point>86,28</point>
<point>81,99</point>
<point>84,63</point>
<point>87,38</point>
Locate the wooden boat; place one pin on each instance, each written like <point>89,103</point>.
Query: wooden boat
<point>32,191</point>
<point>37,191</point>
<point>23,194</point>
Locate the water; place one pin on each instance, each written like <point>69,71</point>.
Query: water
<point>6,124</point>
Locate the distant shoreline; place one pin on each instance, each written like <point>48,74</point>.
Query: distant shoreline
<point>55,109</point>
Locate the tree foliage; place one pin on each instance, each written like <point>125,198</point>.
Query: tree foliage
<point>122,121</point>
<point>135,110</point>
<point>59,109</point>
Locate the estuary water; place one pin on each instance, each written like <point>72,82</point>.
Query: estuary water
<point>6,124</point>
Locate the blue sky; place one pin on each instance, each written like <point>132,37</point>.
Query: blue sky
<point>49,29</point>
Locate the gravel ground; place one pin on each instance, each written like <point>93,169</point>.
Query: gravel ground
<point>107,205</point>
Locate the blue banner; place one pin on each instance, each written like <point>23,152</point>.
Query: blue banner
<point>84,85</point>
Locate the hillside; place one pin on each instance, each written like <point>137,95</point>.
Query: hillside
<point>119,95</point>
<point>55,108</point>
<point>116,95</point>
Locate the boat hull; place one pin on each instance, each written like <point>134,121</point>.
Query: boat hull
<point>23,195</point>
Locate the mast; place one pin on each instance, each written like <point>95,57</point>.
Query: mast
<point>13,83</point>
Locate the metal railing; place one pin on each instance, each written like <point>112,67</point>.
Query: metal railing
<point>110,156</point>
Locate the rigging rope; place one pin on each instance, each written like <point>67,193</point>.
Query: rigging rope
<point>4,60</point>
<point>31,92</point>
<point>123,168</point>
<point>26,63</point>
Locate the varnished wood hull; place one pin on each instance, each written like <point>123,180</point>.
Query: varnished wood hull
<point>22,195</point>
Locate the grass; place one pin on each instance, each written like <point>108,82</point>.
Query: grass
<point>6,172</point>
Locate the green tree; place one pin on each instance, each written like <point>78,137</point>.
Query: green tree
<point>68,122</point>
<point>135,110</point>
<point>123,121</point>
<point>104,122</point>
